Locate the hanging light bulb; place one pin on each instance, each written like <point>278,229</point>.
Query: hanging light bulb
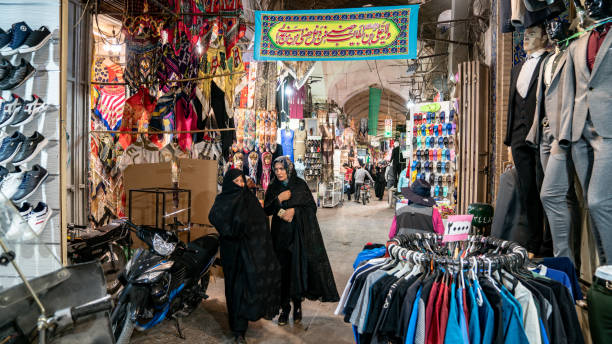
<point>199,47</point>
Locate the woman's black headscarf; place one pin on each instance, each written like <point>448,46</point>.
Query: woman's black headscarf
<point>288,165</point>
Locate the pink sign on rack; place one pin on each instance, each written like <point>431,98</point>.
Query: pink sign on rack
<point>457,228</point>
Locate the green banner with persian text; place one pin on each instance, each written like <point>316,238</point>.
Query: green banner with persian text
<point>337,34</point>
<point>374,108</point>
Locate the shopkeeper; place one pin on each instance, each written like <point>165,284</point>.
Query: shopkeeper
<point>419,215</point>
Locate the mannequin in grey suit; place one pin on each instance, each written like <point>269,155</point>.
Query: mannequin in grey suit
<point>587,120</point>
<point>557,193</point>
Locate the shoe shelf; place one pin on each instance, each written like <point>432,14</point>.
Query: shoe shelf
<point>41,254</point>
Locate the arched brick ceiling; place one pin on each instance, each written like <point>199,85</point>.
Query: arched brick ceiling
<point>392,106</point>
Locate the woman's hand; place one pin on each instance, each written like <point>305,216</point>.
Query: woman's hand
<point>284,196</point>
<point>288,215</point>
<point>251,183</point>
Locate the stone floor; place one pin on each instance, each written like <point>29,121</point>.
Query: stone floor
<point>345,230</point>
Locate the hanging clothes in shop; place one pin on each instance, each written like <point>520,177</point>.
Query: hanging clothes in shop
<point>107,100</point>
<point>136,116</point>
<point>296,103</point>
<point>481,293</point>
<point>287,142</point>
<point>217,102</point>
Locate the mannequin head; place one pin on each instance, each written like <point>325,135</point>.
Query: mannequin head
<point>253,158</point>
<point>238,160</point>
<point>267,159</point>
<point>302,125</point>
<point>557,30</point>
<point>534,39</point>
<point>598,9</point>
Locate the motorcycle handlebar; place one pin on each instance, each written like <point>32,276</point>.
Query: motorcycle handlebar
<point>99,305</point>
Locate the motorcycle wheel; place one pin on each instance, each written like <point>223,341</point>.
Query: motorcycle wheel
<point>125,326</point>
<point>363,199</point>
<point>204,281</point>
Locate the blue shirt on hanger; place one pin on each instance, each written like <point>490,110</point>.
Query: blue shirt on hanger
<point>413,318</point>
<point>514,333</point>
<point>486,317</point>
<point>462,320</point>
<point>474,324</point>
<point>453,329</point>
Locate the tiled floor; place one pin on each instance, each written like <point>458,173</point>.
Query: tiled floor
<point>345,230</point>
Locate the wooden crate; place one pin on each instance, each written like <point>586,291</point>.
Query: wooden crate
<point>473,133</point>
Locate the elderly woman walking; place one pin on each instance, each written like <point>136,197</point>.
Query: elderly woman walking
<point>305,268</point>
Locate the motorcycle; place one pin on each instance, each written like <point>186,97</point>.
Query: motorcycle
<point>365,193</point>
<point>169,279</point>
<point>104,244</point>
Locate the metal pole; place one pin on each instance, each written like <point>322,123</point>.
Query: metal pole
<point>25,281</point>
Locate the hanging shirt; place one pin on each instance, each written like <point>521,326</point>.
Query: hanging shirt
<point>453,329</point>
<point>556,275</point>
<point>287,142</point>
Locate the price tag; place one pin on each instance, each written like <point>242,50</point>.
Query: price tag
<point>457,228</point>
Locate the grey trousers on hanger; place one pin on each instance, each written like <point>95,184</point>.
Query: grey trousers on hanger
<point>559,197</point>
<point>592,156</point>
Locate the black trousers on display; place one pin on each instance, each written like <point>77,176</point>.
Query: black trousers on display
<point>526,164</point>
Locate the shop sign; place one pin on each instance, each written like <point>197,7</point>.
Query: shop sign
<point>337,34</point>
<point>457,228</point>
<point>388,127</point>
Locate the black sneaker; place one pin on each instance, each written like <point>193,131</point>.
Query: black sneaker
<point>5,69</point>
<point>9,108</point>
<point>30,148</point>
<point>19,75</point>
<point>10,147</point>
<point>36,40</point>
<point>21,31</point>
<point>31,181</point>
<point>28,111</point>
<point>5,38</point>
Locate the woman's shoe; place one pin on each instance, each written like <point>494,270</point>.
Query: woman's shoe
<point>297,314</point>
<point>283,318</point>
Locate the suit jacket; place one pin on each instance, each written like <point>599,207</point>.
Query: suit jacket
<point>510,218</point>
<point>586,92</point>
<point>551,99</point>
<point>514,74</point>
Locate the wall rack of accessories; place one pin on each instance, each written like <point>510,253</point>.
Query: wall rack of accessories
<point>432,147</point>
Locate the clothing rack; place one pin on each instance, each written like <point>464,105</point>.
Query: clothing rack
<point>430,291</point>
<point>515,255</point>
<point>160,132</point>
<point>169,81</point>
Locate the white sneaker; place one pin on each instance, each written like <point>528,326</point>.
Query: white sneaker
<point>10,183</point>
<point>25,211</point>
<point>37,220</point>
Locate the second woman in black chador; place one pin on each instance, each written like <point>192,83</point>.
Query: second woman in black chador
<point>306,272</point>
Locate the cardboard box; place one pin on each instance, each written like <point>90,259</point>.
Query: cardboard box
<point>198,176</point>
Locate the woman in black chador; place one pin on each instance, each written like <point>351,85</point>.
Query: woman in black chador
<point>251,270</point>
<point>306,272</point>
